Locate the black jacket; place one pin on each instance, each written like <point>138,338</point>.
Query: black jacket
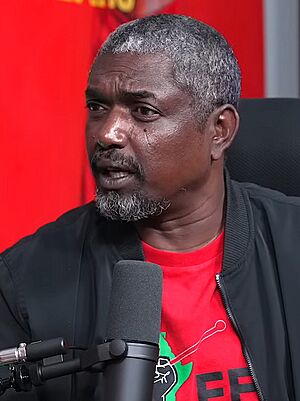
<point>57,283</point>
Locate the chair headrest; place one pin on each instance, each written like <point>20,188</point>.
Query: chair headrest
<point>266,150</point>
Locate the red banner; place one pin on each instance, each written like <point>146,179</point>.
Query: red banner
<point>47,48</point>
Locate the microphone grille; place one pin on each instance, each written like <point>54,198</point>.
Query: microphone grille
<point>135,305</point>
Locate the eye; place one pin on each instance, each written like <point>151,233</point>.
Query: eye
<point>94,106</point>
<point>146,113</point>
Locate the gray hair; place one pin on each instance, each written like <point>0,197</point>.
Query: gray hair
<point>204,64</point>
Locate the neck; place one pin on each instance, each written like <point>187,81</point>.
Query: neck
<point>189,225</point>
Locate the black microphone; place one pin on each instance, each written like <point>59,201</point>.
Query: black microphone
<point>135,315</point>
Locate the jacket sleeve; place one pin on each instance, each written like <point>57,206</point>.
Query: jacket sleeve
<point>13,327</point>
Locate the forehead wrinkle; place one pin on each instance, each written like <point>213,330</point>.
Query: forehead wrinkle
<point>126,87</point>
<point>137,67</point>
<point>115,68</point>
<point>117,72</point>
<point>134,62</point>
<point>139,83</point>
<point>116,77</point>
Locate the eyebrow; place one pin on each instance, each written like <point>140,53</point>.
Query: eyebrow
<point>142,94</point>
<point>93,93</point>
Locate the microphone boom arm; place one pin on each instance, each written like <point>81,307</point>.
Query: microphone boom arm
<point>23,375</point>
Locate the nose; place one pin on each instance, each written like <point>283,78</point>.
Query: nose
<point>113,133</point>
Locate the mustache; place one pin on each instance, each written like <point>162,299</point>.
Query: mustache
<point>121,161</point>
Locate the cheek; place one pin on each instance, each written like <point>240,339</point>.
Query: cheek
<point>90,140</point>
<point>161,140</point>
<point>168,161</point>
<point>181,162</point>
<point>152,143</point>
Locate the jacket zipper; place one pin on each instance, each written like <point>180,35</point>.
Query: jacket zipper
<point>245,351</point>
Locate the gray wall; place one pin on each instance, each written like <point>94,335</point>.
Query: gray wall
<point>282,55</point>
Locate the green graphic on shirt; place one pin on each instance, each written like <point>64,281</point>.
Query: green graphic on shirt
<point>169,378</point>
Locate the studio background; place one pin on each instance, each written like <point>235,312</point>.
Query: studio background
<point>47,47</point>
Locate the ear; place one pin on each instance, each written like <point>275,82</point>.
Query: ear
<point>224,124</point>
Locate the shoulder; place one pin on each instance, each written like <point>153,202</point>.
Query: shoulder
<point>60,237</point>
<point>65,222</point>
<point>273,213</point>
<point>269,198</point>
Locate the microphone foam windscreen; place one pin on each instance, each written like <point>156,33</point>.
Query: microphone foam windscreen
<point>135,304</point>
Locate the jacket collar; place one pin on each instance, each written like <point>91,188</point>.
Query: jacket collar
<point>239,228</point>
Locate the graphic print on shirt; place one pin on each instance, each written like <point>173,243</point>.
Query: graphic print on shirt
<point>170,373</point>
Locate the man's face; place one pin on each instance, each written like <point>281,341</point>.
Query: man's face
<point>143,140</point>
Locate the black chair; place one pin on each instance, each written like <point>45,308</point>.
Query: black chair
<point>266,150</point>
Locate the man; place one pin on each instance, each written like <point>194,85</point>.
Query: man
<point>162,98</point>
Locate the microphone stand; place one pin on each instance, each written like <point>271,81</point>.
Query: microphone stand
<point>95,359</point>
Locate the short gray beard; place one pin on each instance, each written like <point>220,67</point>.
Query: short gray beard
<point>129,207</point>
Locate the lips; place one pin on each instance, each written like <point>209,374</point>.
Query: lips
<point>113,176</point>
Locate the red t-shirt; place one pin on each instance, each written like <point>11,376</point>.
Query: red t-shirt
<point>201,357</point>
